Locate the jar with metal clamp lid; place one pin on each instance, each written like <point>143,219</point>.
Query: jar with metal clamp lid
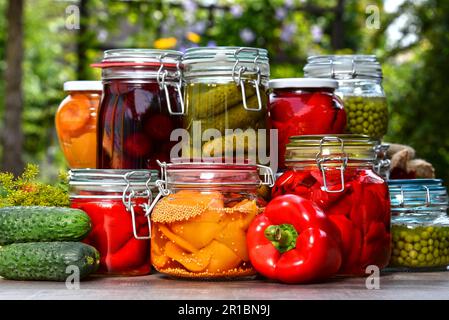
<point>117,202</point>
<point>360,85</point>
<point>420,224</point>
<point>141,104</point>
<point>226,100</point>
<point>336,172</point>
<point>199,226</point>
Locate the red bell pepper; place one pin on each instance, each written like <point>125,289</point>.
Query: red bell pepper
<point>293,241</point>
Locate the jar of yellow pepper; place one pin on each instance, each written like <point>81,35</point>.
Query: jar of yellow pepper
<point>199,226</point>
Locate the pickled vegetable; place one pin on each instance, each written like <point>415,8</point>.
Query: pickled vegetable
<point>366,115</point>
<point>220,106</point>
<point>420,247</point>
<point>202,234</point>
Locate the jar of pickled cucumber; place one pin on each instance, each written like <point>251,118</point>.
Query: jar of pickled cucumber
<point>360,86</point>
<point>226,97</point>
<point>199,226</point>
<point>420,225</point>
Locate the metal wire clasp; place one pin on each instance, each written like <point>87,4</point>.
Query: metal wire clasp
<point>323,157</point>
<point>162,186</point>
<point>161,75</point>
<point>239,81</point>
<point>129,194</point>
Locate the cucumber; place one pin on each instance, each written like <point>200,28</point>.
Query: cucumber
<point>47,260</point>
<point>40,224</point>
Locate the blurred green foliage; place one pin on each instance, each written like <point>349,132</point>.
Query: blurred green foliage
<point>415,74</point>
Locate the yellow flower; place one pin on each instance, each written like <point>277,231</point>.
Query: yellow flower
<point>165,43</point>
<point>193,37</point>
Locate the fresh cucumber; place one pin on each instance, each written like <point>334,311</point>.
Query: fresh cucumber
<point>40,224</point>
<point>47,260</point>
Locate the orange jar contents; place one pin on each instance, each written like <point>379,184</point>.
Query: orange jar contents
<point>76,123</point>
<point>117,202</point>
<point>199,227</point>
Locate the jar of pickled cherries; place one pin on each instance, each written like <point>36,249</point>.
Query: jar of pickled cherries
<point>226,102</point>
<point>199,226</point>
<point>360,85</point>
<point>336,172</point>
<point>420,225</point>
<point>117,202</point>
<point>304,106</point>
<point>142,103</point>
<point>76,123</point>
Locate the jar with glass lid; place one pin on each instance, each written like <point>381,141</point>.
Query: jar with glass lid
<point>336,172</point>
<point>226,100</point>
<point>117,202</point>
<point>360,86</point>
<point>142,103</point>
<point>420,224</point>
<point>199,226</point>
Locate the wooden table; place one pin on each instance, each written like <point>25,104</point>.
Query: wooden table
<point>392,286</point>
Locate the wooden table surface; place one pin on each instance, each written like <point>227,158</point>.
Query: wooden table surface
<point>392,286</point>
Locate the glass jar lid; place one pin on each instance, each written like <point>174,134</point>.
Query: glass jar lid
<point>342,67</point>
<point>300,83</point>
<point>101,182</point>
<point>140,57</point>
<point>83,85</point>
<point>418,195</point>
<point>329,147</point>
<point>226,61</point>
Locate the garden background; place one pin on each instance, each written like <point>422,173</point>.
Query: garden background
<point>44,43</point>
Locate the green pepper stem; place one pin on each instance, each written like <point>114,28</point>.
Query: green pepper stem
<point>283,236</point>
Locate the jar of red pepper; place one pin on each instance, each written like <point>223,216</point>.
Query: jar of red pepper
<point>141,104</point>
<point>304,106</point>
<point>117,202</point>
<point>336,172</point>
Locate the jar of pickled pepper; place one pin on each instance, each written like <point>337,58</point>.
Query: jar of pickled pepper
<point>117,202</point>
<point>76,123</point>
<point>420,225</point>
<point>199,226</point>
<point>304,106</point>
<point>360,85</point>
<point>226,99</point>
<point>142,103</point>
<point>336,172</point>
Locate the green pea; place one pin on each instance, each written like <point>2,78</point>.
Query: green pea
<point>429,257</point>
<point>425,250</point>
<point>403,234</point>
<point>414,263</point>
<point>430,242</point>
<point>421,257</point>
<point>409,238</point>
<point>416,238</point>
<point>360,119</point>
<point>423,243</point>
<point>430,229</point>
<point>408,247</point>
<point>404,254</point>
<point>425,235</point>
<point>417,246</point>
<point>400,244</point>
<point>436,244</point>
<point>436,253</point>
<point>413,254</point>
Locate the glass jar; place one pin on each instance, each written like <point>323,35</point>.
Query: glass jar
<point>420,224</point>
<point>141,105</point>
<point>226,101</point>
<point>336,172</point>
<point>360,85</point>
<point>117,202</point>
<point>304,106</point>
<point>199,226</point>
<point>76,123</point>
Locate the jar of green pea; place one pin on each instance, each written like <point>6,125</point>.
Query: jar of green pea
<point>360,86</point>
<point>420,225</point>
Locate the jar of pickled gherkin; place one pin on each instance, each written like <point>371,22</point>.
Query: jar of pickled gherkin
<point>199,226</point>
<point>360,86</point>
<point>141,105</point>
<point>420,224</point>
<point>226,98</point>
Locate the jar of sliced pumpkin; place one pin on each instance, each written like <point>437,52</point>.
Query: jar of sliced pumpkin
<point>76,123</point>
<point>199,226</point>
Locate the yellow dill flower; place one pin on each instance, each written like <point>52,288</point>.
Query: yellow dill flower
<point>193,37</point>
<point>165,43</point>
